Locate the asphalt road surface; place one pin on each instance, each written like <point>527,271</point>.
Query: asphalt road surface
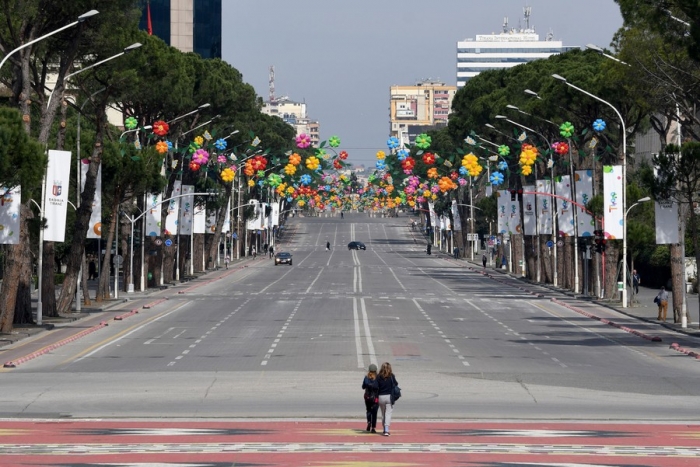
<point>266,343</point>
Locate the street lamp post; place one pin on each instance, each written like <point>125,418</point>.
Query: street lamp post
<point>624,179</point>
<point>624,250</point>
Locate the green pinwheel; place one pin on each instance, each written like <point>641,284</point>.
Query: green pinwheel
<point>130,123</point>
<point>334,141</point>
<point>566,129</point>
<point>503,150</point>
<point>423,141</point>
<point>274,180</point>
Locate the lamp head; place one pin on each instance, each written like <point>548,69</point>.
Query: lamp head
<point>87,15</point>
<point>594,47</point>
<point>501,117</point>
<point>148,127</point>
<point>133,46</point>
<point>532,93</point>
<point>512,107</point>
<point>204,106</point>
<point>644,200</point>
<point>490,126</point>
<point>560,78</point>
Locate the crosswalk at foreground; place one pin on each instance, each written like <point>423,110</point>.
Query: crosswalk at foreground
<point>344,443</point>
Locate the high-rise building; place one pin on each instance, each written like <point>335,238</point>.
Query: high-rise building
<point>294,113</point>
<point>188,25</point>
<point>418,108</point>
<point>506,49</point>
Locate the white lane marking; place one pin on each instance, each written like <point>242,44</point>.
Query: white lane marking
<point>281,277</point>
<point>369,234</point>
<point>442,334</point>
<point>132,331</point>
<point>359,277</point>
<point>149,341</point>
<point>269,353</point>
<point>379,256</point>
<point>421,270</point>
<point>368,333</point>
<point>314,281</point>
<point>358,337</point>
<point>319,235</point>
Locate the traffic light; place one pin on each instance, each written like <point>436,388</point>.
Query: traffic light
<point>512,195</point>
<point>520,194</point>
<point>602,245</point>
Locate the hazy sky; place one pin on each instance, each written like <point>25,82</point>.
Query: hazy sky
<point>341,57</point>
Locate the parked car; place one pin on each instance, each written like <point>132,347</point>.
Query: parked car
<point>283,257</point>
<point>356,246</point>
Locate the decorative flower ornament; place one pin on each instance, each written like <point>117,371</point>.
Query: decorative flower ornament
<point>380,164</point>
<point>428,158</point>
<point>527,170</point>
<point>312,163</point>
<point>432,172</point>
<point>199,141</point>
<point>170,145</point>
<point>194,166</point>
<point>274,180</point>
<point>560,148</point>
<point>402,154</point>
<point>503,150</point>
<point>381,155</point>
<point>200,157</point>
<point>160,128</point>
<point>305,179</point>
<point>343,155</point>
<point>470,141</point>
<point>251,183</point>
<point>566,129</point>
<point>502,165</point>
<point>303,141</point>
<point>446,184</point>
<point>334,141</point>
<point>408,164</point>
<point>258,163</point>
<point>290,169</point>
<point>528,155</point>
<point>423,141</point>
<point>496,178</point>
<point>130,123</point>
<point>550,163</point>
<point>220,144</point>
<point>295,159</point>
<point>392,143</point>
<point>227,175</point>
<point>221,159</point>
<point>161,147</point>
<point>599,125</point>
<point>337,165</point>
<point>471,163</point>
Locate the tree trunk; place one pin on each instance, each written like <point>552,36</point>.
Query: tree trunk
<point>677,280</point>
<point>23,305</point>
<point>220,218</point>
<point>612,254</point>
<point>103,283</point>
<point>48,285</point>
<point>15,274</point>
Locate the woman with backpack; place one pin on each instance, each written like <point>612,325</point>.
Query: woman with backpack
<point>369,384</point>
<point>386,382</point>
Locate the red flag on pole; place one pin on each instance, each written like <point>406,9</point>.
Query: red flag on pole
<point>148,19</point>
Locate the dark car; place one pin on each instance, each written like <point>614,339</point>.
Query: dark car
<point>356,246</point>
<point>283,257</point>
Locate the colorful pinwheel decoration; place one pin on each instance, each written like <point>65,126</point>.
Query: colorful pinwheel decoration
<point>312,163</point>
<point>305,179</point>
<point>599,125</point>
<point>503,150</point>
<point>161,147</point>
<point>566,129</point>
<point>334,141</point>
<point>393,142</point>
<point>471,163</point>
<point>200,157</point>
<point>290,169</point>
<point>381,155</point>
<point>496,178</point>
<point>423,141</point>
<point>560,148</point>
<point>220,144</point>
<point>502,165</point>
<point>380,164</point>
<point>428,158</point>
<point>343,155</point>
<point>160,128</point>
<point>227,175</point>
<point>295,159</point>
<point>130,123</point>
<point>432,172</point>
<point>199,141</point>
<point>303,141</point>
<point>402,154</point>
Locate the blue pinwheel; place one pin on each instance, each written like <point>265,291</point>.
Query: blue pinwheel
<point>220,144</point>
<point>599,125</point>
<point>463,170</point>
<point>289,199</point>
<point>502,166</point>
<point>393,142</point>
<point>170,145</point>
<point>305,179</point>
<point>380,165</point>
<point>496,178</point>
<point>402,154</point>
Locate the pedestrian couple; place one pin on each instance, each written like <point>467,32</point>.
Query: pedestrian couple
<point>380,389</point>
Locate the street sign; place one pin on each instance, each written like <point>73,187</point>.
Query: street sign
<point>158,242</point>
<point>168,242</point>
<point>550,244</point>
<point>560,243</point>
<point>118,260</point>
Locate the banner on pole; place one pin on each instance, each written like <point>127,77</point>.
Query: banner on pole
<point>584,192</point>
<point>95,226</point>
<point>513,210</point>
<point>10,202</point>
<point>256,222</point>
<point>565,213</point>
<point>433,217</point>
<point>171,219</point>
<point>612,202</point>
<point>210,226</point>
<point>457,225</point>
<point>56,199</point>
<point>186,209</point>
<point>275,215</point>
<point>199,224</point>
<point>529,212</point>
<point>153,214</point>
<point>227,219</point>
<point>544,207</point>
<point>501,197</point>
<point>666,213</point>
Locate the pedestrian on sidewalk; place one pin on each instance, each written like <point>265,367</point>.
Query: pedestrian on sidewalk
<point>371,387</point>
<point>227,259</point>
<point>483,259</point>
<point>636,280</point>
<point>386,381</point>
<point>272,251</point>
<point>255,252</point>
<point>662,300</point>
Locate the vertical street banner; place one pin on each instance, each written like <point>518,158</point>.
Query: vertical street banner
<point>513,212</point>
<point>10,202</point>
<point>529,215</point>
<point>186,210</point>
<point>501,197</point>
<point>210,226</point>
<point>457,225</point>
<point>95,226</point>
<point>153,214</point>
<point>565,212</point>
<point>171,219</point>
<point>275,215</point>
<point>666,213</point>
<point>433,218</point>
<point>612,202</point>
<point>584,192</point>
<point>544,207</point>
<point>56,197</point>
<point>227,219</point>
<point>199,224</point>
<point>255,222</point>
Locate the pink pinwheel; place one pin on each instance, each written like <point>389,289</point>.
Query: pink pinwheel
<point>200,157</point>
<point>303,141</point>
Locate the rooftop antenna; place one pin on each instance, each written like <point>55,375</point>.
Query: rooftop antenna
<point>527,11</point>
<point>505,24</point>
<point>272,84</point>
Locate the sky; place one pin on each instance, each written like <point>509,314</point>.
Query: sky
<point>341,57</point>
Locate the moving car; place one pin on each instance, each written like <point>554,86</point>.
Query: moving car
<point>283,257</point>
<point>356,246</point>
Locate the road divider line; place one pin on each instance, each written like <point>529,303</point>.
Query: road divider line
<point>368,333</point>
<point>441,334</point>
<point>358,336</point>
<point>314,281</point>
<point>271,350</point>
